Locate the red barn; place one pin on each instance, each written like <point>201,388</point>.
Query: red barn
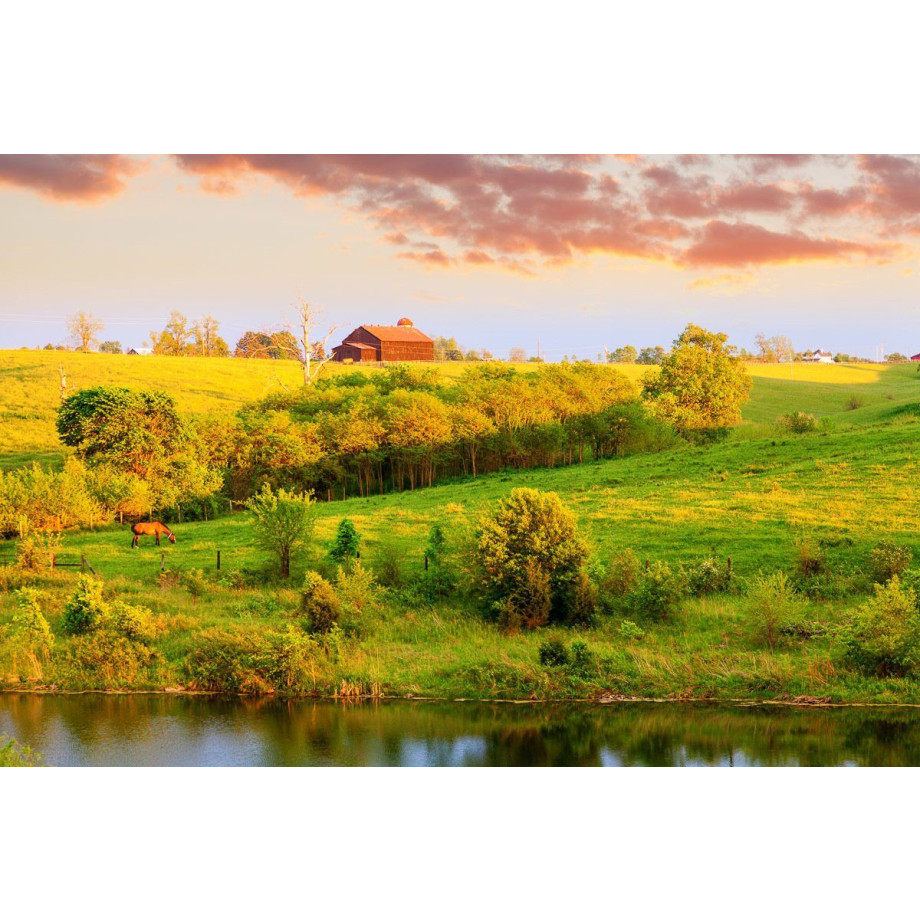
<point>402,342</point>
<point>915,357</point>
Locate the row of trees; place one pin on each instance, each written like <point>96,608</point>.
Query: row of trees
<point>405,427</point>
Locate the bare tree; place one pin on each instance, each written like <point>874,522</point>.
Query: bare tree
<point>84,329</point>
<point>311,350</point>
<point>207,341</point>
<point>517,355</point>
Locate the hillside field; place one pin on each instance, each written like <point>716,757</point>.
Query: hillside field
<point>750,497</point>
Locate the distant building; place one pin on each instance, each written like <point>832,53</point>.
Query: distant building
<point>132,351</point>
<point>915,357</point>
<point>818,357</point>
<point>402,342</point>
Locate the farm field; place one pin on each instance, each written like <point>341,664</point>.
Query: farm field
<point>30,389</point>
<point>751,498</point>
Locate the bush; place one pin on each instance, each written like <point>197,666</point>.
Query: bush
<point>319,604</point>
<point>771,604</point>
<point>883,637</point>
<point>437,580</point>
<point>14,754</point>
<point>37,551</point>
<point>529,549</point>
<point>130,621</point>
<point>344,548</point>
<point>283,522</point>
<point>582,606</point>
<point>582,657</point>
<point>629,630</point>
<point>798,422</point>
<point>708,577</point>
<point>196,582</point>
<point>811,559</point>
<point>106,660</point>
<point>889,559</point>
<point>357,590</point>
<point>619,579</point>
<point>553,653</point>
<point>86,609</point>
<point>853,402</point>
<point>658,592</point>
<point>227,662</point>
<point>530,603</point>
<point>390,562</point>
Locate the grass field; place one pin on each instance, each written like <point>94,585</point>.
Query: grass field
<point>750,497</point>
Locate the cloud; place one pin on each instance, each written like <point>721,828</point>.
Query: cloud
<point>741,244</point>
<point>74,178</point>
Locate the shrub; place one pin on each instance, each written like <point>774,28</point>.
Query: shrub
<point>883,637</point>
<point>798,422</point>
<point>853,402</point>
<point>357,590</point>
<point>811,559</point>
<point>390,562</point>
<point>530,603</point>
<point>319,604</point>
<point>529,547</point>
<point>582,657</point>
<point>30,622</point>
<point>629,630</point>
<point>227,661</point>
<point>553,653</point>
<point>889,559</point>
<point>344,548</point>
<point>658,592</point>
<point>14,754</point>
<point>130,621</point>
<point>86,608</point>
<point>771,603</point>
<point>619,579</point>
<point>37,551</point>
<point>708,577</point>
<point>196,583</point>
<point>107,660</point>
<point>437,580</point>
<point>582,606</point>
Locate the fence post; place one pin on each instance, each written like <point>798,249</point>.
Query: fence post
<point>162,562</point>
<point>426,562</point>
<point>53,560</point>
<point>82,562</point>
<point>218,560</point>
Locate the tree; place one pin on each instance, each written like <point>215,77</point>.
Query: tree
<point>283,522</point>
<point>111,348</point>
<point>701,385</point>
<point>776,348</point>
<point>208,343</point>
<point>271,345</point>
<point>176,337</point>
<point>309,350</point>
<point>528,545</point>
<point>517,355</point>
<point>896,358</point>
<point>345,546</point>
<point>84,330</point>
<point>655,355</point>
<point>624,355</point>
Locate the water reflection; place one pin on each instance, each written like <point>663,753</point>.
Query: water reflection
<point>100,730</point>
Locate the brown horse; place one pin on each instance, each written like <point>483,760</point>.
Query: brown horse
<point>151,529</point>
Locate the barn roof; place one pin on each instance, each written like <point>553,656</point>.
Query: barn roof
<point>356,345</point>
<point>397,333</point>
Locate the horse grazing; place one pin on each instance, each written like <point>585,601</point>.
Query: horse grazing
<point>151,529</point>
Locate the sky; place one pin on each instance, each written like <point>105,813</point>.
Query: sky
<point>568,253</point>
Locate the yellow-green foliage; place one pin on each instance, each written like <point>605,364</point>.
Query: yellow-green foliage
<point>319,604</point>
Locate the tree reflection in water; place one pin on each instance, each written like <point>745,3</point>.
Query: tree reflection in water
<point>175,730</point>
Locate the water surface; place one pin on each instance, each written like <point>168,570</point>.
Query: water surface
<point>157,730</point>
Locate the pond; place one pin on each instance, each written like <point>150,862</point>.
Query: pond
<point>159,730</point>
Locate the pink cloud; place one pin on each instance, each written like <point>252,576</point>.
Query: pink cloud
<point>70,177</point>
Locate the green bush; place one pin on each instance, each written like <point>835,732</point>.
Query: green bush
<point>658,592</point>
<point>629,630</point>
<point>708,577</point>
<point>319,604</point>
<point>225,661</point>
<point>771,603</point>
<point>854,402</point>
<point>37,551</point>
<point>14,754</point>
<point>528,547</point>
<point>86,609</point>
<point>583,659</point>
<point>888,559</point>
<point>196,582</point>
<point>344,548</point>
<point>811,559</point>
<point>798,422</point>
<point>31,624</point>
<point>358,594</point>
<point>390,565</point>
<point>553,653</point>
<point>583,600</point>
<point>130,621</point>
<point>530,602</point>
<point>883,637</point>
<point>104,660</point>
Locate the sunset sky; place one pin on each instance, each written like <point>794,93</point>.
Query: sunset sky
<point>576,251</point>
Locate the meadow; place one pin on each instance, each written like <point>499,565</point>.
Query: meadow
<point>754,497</point>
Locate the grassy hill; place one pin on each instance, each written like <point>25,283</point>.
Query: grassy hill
<point>750,497</point>
<point>30,389</point>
